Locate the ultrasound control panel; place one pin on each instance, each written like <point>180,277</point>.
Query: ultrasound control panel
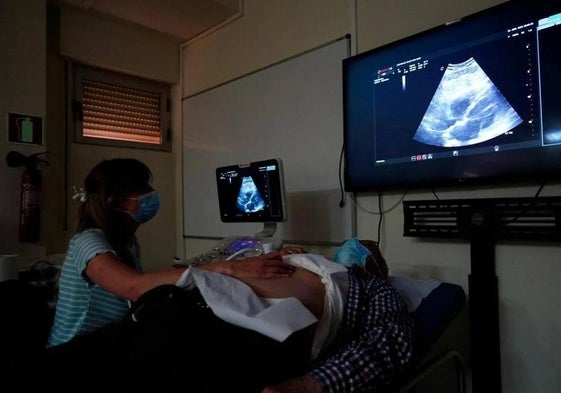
<point>232,248</point>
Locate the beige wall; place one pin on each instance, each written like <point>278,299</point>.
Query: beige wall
<point>107,43</point>
<point>22,90</point>
<point>32,39</point>
<point>528,273</point>
<point>268,31</point>
<point>380,23</point>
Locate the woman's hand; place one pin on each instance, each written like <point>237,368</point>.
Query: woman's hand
<point>270,265</point>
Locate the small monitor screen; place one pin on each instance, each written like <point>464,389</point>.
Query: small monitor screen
<point>252,192</point>
<point>473,100</point>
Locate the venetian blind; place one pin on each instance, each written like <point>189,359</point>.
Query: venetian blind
<point>116,109</point>
<point>120,113</point>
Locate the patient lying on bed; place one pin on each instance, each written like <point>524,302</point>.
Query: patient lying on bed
<point>314,294</point>
<point>326,328</point>
<point>360,329</point>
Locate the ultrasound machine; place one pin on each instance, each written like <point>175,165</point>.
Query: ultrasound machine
<point>248,193</point>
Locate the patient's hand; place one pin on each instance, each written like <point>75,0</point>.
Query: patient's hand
<point>269,265</point>
<point>292,250</point>
<point>304,384</point>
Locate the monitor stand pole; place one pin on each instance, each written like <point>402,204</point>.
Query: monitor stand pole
<point>484,314</point>
<point>484,221</point>
<point>269,229</point>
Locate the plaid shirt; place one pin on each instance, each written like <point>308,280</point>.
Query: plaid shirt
<point>375,341</point>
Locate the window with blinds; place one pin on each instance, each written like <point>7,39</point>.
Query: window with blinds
<point>120,110</point>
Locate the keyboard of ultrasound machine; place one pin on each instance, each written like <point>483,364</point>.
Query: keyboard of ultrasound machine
<point>226,248</point>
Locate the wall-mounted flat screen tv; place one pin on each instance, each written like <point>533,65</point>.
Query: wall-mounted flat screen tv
<point>472,101</point>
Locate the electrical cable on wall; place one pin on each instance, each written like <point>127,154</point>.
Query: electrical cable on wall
<point>343,197</point>
<point>380,216</point>
<point>364,210</point>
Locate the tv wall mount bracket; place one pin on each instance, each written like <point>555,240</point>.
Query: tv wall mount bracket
<point>483,222</point>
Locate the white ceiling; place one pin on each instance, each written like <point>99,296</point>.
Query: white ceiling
<point>183,19</point>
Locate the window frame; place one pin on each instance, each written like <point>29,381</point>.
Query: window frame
<point>81,72</point>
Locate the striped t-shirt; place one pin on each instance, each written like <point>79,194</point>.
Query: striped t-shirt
<point>82,305</point>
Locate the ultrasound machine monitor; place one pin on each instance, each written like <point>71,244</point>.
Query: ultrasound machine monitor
<point>252,192</point>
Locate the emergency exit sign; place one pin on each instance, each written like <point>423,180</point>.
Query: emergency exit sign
<point>26,129</point>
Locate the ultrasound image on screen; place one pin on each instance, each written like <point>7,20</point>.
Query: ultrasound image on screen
<point>467,97</point>
<point>251,193</point>
<point>467,108</point>
<point>249,198</point>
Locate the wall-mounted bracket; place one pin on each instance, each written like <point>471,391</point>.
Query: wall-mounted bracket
<point>483,222</point>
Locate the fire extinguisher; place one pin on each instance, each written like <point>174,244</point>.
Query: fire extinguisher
<point>30,194</point>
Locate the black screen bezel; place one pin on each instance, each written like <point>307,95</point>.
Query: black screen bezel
<point>535,164</point>
<point>275,205</point>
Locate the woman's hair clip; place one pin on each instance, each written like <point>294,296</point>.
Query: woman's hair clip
<point>79,193</point>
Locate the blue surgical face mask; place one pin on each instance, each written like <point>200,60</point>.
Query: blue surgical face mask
<point>352,252</point>
<point>148,206</point>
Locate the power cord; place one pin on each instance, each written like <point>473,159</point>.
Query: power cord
<point>380,216</point>
<point>342,202</point>
<point>379,212</point>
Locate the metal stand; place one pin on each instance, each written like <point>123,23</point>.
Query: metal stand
<point>484,221</point>
<point>269,229</point>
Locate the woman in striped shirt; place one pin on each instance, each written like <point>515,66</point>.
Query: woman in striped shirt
<point>102,273</point>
